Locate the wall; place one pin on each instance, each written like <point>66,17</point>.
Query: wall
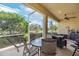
<point>63,26</point>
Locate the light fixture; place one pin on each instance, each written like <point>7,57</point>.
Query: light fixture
<point>59,12</point>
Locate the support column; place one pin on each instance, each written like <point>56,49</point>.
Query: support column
<point>45,26</point>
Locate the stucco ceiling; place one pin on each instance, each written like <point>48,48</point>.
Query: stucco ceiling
<point>59,9</point>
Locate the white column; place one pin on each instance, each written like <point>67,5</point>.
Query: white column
<point>45,26</point>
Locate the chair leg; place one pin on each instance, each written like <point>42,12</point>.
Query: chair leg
<point>74,52</point>
<point>39,51</point>
<point>34,52</point>
<point>25,51</point>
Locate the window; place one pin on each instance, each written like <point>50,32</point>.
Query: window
<point>52,25</point>
<point>13,24</point>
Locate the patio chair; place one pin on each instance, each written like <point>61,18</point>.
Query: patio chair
<point>61,43</point>
<point>30,51</point>
<point>76,49</point>
<point>29,48</point>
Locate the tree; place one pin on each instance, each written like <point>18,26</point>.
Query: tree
<point>35,27</point>
<point>13,22</point>
<point>53,28</point>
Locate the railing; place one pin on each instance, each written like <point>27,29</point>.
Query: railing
<point>12,39</point>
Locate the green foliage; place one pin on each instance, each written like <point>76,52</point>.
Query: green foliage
<point>53,28</point>
<point>4,43</point>
<point>35,27</point>
<point>12,21</point>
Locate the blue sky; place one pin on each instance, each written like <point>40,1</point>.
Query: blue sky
<point>19,8</point>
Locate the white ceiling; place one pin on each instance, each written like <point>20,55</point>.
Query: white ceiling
<point>59,9</point>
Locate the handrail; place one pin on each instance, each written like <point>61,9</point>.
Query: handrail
<point>10,35</point>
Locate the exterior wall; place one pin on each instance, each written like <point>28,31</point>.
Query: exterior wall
<point>63,26</point>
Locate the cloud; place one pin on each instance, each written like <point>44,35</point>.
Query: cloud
<point>8,9</point>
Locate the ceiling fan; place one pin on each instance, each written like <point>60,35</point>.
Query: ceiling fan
<point>68,17</point>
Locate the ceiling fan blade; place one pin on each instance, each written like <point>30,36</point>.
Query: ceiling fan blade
<point>68,18</point>
<point>72,17</point>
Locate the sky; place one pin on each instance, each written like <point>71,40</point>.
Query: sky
<point>16,7</point>
<point>23,10</point>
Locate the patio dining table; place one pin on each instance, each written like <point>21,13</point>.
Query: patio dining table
<point>41,43</point>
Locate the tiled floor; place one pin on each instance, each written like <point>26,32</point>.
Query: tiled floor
<point>67,51</point>
<point>60,52</point>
